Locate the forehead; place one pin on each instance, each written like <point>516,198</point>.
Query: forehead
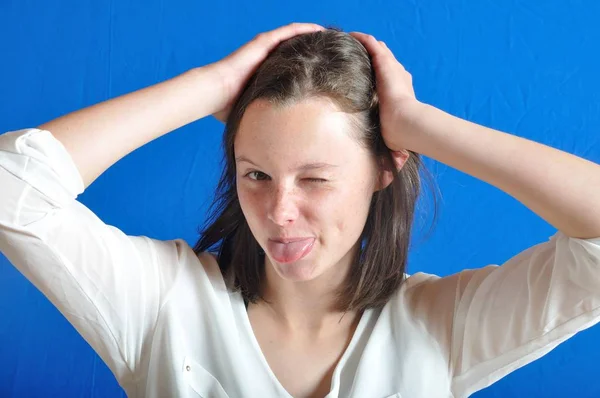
<point>311,130</point>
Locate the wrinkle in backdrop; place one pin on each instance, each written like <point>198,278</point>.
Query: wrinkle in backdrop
<point>527,68</point>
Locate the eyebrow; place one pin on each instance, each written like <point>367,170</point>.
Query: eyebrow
<point>307,166</point>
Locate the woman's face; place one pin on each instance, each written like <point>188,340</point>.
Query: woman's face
<point>304,185</point>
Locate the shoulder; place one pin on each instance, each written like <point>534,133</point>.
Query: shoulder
<point>190,267</point>
<point>210,267</point>
<point>415,281</point>
<point>416,294</point>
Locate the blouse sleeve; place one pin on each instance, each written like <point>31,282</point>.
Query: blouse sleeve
<point>109,286</point>
<point>497,319</point>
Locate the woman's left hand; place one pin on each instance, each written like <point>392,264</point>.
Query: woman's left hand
<point>397,100</point>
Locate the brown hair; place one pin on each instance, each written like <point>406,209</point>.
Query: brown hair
<point>335,65</point>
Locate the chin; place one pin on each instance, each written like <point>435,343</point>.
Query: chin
<point>297,271</point>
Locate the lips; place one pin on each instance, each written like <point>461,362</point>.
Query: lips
<point>290,249</point>
<point>288,240</point>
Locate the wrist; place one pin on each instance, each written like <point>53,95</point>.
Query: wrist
<point>409,109</point>
<point>409,116</point>
<point>209,86</point>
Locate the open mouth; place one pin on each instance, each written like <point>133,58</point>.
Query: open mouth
<point>287,251</point>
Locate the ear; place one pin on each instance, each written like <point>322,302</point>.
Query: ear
<point>386,175</point>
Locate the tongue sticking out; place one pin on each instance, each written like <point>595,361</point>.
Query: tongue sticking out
<point>288,252</point>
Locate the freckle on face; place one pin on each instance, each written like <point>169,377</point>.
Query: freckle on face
<point>280,139</point>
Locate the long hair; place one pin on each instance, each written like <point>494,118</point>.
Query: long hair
<point>335,65</point>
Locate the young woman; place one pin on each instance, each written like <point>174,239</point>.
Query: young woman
<point>297,284</point>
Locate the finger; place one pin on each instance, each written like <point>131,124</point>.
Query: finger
<point>263,43</point>
<point>376,48</point>
<point>388,51</point>
<point>272,38</point>
<point>370,43</point>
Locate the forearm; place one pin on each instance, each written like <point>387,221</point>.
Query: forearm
<point>560,187</point>
<point>99,135</point>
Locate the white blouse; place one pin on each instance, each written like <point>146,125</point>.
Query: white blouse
<point>166,326</point>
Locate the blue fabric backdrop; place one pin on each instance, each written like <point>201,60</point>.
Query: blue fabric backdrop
<point>526,67</point>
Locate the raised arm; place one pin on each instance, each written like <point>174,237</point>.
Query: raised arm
<point>100,135</point>
<point>110,286</point>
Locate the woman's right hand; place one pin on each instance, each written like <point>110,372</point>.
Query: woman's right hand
<point>235,69</point>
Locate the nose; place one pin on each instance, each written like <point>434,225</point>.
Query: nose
<point>283,209</point>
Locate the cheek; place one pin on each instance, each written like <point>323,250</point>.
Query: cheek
<point>250,202</point>
<point>351,217</point>
<point>351,212</point>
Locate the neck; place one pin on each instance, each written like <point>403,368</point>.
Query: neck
<point>308,306</point>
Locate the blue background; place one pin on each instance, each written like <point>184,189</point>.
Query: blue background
<point>525,67</point>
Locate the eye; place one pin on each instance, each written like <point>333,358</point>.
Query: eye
<point>259,175</point>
